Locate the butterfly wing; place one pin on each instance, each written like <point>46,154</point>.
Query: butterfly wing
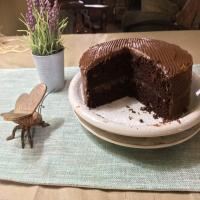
<point>28,103</point>
<point>11,116</point>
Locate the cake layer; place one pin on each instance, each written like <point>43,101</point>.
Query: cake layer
<point>146,71</point>
<point>112,83</point>
<point>100,96</point>
<point>166,108</point>
<point>114,67</point>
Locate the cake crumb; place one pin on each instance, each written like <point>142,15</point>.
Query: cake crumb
<point>100,116</point>
<point>146,109</point>
<point>166,121</point>
<point>130,118</point>
<point>131,110</point>
<point>143,108</point>
<point>141,121</point>
<point>155,116</point>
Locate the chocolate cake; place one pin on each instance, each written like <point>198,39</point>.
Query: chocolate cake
<point>156,73</point>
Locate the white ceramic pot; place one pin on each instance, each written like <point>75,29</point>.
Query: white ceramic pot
<point>51,70</point>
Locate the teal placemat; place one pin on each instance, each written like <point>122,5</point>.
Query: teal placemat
<point>66,154</point>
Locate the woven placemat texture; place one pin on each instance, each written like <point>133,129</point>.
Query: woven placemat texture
<point>65,154</point>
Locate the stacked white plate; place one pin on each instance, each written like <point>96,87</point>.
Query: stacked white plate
<point>125,123</point>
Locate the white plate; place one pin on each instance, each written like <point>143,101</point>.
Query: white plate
<point>138,142</point>
<point>117,118</point>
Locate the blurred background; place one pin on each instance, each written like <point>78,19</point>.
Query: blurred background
<point>108,16</point>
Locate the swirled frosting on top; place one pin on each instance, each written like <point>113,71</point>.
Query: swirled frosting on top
<point>169,57</point>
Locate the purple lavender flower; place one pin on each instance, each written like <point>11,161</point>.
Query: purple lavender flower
<point>54,17</point>
<point>47,11</point>
<point>36,3</point>
<point>42,21</point>
<point>48,6</point>
<point>30,19</point>
<point>42,7</point>
<point>29,5</point>
<point>45,7</point>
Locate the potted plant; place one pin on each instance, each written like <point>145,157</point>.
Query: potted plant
<point>44,31</point>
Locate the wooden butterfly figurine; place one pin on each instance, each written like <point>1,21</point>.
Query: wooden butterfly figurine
<point>25,114</point>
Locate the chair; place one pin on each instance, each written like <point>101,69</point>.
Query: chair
<point>88,18</point>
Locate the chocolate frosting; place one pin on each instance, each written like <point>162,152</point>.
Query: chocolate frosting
<point>169,57</point>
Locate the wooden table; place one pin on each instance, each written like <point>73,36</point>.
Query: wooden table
<point>75,46</point>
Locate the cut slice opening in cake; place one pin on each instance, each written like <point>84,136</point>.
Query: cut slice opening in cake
<point>109,79</point>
